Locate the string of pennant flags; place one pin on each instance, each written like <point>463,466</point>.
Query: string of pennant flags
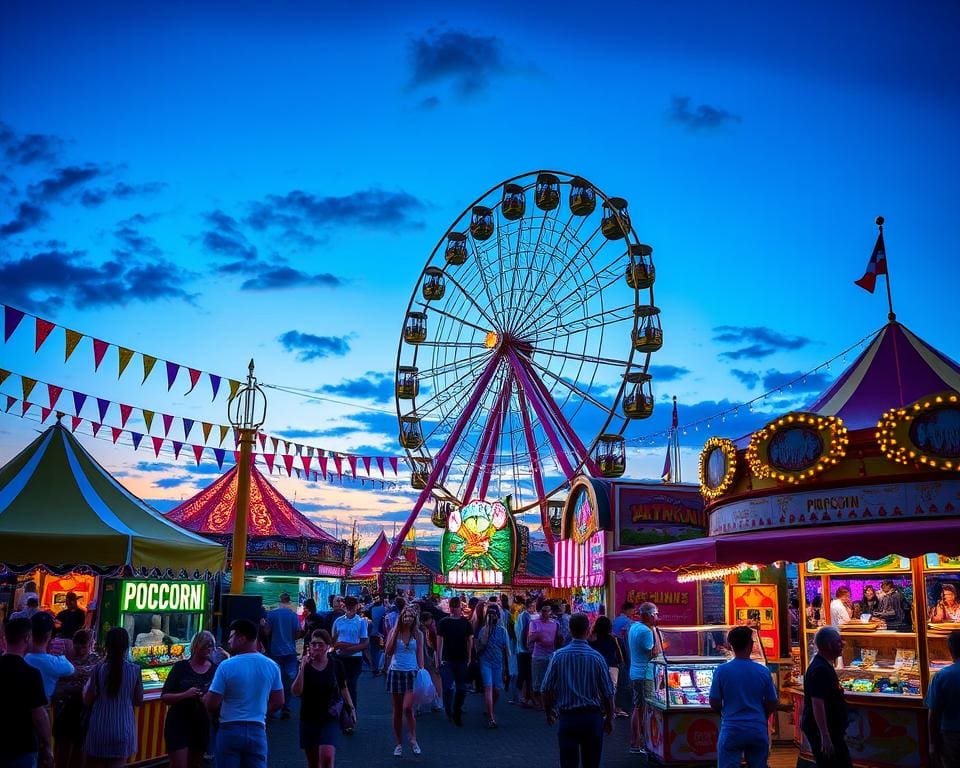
<point>317,469</point>
<point>58,396</point>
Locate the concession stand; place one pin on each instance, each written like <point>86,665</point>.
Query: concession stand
<point>286,552</point>
<point>859,492</point>
<point>69,526</point>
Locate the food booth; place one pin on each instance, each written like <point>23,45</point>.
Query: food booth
<point>860,489</point>
<point>286,552</point>
<point>69,526</point>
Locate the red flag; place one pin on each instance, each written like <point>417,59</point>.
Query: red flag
<point>306,462</point>
<point>366,464</point>
<point>99,350</point>
<point>44,413</point>
<point>197,453</point>
<point>95,426</point>
<point>116,432</point>
<point>194,378</point>
<point>53,392</point>
<point>288,462</point>
<point>157,445</point>
<point>167,423</point>
<point>44,328</point>
<point>269,459</point>
<point>338,463</point>
<point>125,411</point>
<point>876,266</point>
<point>323,466</point>
<point>74,423</point>
<point>10,401</point>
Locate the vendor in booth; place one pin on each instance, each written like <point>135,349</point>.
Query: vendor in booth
<point>947,609</point>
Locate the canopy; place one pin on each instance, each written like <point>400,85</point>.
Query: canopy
<point>373,559</point>
<point>907,538</point>
<point>212,511</point>
<point>896,369</point>
<point>59,508</point>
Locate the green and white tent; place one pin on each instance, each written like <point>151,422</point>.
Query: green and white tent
<point>60,509</point>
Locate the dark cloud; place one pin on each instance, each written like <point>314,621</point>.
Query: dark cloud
<point>298,213</point>
<point>801,382</point>
<point>133,241</point>
<point>50,279</point>
<point>667,372</point>
<point>287,277</point>
<point>154,466</point>
<point>120,191</point>
<point>431,102</point>
<point>300,434</point>
<point>170,482</point>
<point>28,148</point>
<point>225,238</point>
<point>760,342</point>
<point>372,385</point>
<point>749,379</point>
<point>310,347</point>
<point>700,117</point>
<point>466,61</point>
<point>64,180</point>
<point>27,216</point>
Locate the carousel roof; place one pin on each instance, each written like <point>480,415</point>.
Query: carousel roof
<point>59,507</point>
<point>373,559</point>
<point>896,369</point>
<point>212,510</point>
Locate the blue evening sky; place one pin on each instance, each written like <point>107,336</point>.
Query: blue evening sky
<point>210,182</point>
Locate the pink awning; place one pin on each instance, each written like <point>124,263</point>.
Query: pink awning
<point>835,542</point>
<point>372,561</point>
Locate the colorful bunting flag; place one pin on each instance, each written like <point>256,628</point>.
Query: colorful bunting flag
<point>73,338</point>
<point>44,328</point>
<point>223,433</point>
<point>219,454</point>
<point>323,465</point>
<point>172,370</point>
<point>288,463</point>
<point>263,441</point>
<point>124,356</point>
<point>380,465</point>
<point>27,384</point>
<point>275,442</point>
<point>116,432</point>
<point>338,463</point>
<point>197,453</point>
<point>187,426</point>
<point>352,461</point>
<point>4,375</point>
<point>148,419</point>
<point>95,426</point>
<point>44,413</point>
<point>167,423</point>
<point>10,401</point>
<point>75,422</point>
<point>194,378</point>
<point>78,400</point>
<point>125,411</point>
<point>305,460</point>
<point>366,464</point>
<point>11,319</point>
<point>206,426</point>
<point>214,384</point>
<point>393,464</point>
<point>53,392</point>
<point>269,459</point>
<point>136,437</point>
<point>24,407</point>
<point>99,350</point>
<point>157,445</point>
<point>234,388</point>
<point>102,406</point>
<point>148,362</point>
<point>177,447</point>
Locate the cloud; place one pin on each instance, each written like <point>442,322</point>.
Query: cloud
<point>29,148</point>
<point>802,382</point>
<point>667,372</point>
<point>298,213</point>
<point>287,277</point>
<point>120,191</point>
<point>133,241</point>
<point>224,237</point>
<point>300,434</point>
<point>310,347</point>
<point>372,385</point>
<point>703,116</point>
<point>49,279</point>
<point>170,482</point>
<point>431,102</point>
<point>154,466</point>
<point>749,379</point>
<point>27,216</point>
<point>466,61</point>
<point>760,342</point>
<point>62,181</point>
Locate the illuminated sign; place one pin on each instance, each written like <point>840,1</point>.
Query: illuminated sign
<point>479,544</point>
<point>474,577</point>
<point>163,596</point>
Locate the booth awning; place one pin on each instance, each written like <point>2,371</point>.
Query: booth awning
<point>838,542</point>
<point>373,559</point>
<point>578,565</point>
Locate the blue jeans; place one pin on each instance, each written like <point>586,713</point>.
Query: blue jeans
<point>241,745</point>
<point>750,743</point>
<point>288,673</point>
<point>580,736</point>
<point>453,676</point>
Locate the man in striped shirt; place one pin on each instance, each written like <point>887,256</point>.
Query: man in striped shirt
<point>577,687</point>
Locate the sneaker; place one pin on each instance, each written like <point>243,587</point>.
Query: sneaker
<point>415,747</point>
<point>637,751</point>
<point>398,750</point>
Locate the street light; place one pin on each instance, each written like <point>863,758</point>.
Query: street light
<point>247,410</point>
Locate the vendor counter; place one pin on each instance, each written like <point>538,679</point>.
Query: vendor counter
<point>151,715</point>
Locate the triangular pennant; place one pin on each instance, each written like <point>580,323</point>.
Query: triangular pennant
<point>172,370</point>
<point>4,375</point>
<point>157,445</point>
<point>299,449</point>
<point>380,465</point>
<point>352,461</point>
<point>124,356</point>
<point>323,466</point>
<point>366,464</point>
<point>177,447</point>
<point>148,419</point>
<point>10,401</point>
<point>53,392</point>
<point>206,426</point>
<point>187,426</point>
<point>75,422</point>
<point>136,437</point>
<point>194,378</point>
<point>275,442</point>
<point>148,362</point>
<point>44,328</point>
<point>305,460</point>
<point>269,459</point>
<point>393,464</point>
<point>95,426</point>
<point>102,406</point>
<point>167,423</point>
<point>263,441</point>
<point>223,433</point>
<point>73,338</point>
<point>99,350</point>
<point>45,413</point>
<point>234,388</point>
<point>78,400</point>
<point>214,384</point>
<point>288,463</point>
<point>24,407</point>
<point>197,453</point>
<point>115,433</point>
<point>309,450</point>
<point>125,411</point>
<point>286,446</point>
<point>28,384</point>
<point>11,319</point>
<point>219,454</point>
<point>338,463</point>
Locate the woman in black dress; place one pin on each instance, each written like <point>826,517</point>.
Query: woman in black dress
<point>322,685</point>
<point>187,727</point>
<point>608,645</point>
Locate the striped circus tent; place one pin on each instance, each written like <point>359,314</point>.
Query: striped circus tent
<point>373,559</point>
<point>60,509</point>
<point>896,369</point>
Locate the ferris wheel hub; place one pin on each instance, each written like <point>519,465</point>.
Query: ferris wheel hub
<point>491,340</point>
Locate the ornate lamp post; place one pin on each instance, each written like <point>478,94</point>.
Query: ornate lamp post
<point>247,410</point>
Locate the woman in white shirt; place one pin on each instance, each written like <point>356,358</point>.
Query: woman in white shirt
<point>404,654</point>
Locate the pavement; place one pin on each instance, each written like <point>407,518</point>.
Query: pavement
<point>523,740</point>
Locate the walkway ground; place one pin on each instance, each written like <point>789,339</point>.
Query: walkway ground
<point>523,739</point>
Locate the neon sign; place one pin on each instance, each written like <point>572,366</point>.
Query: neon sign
<point>479,544</point>
<point>162,596</point>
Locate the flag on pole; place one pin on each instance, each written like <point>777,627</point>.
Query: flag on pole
<point>676,421</point>
<point>876,266</point>
<point>667,474</point>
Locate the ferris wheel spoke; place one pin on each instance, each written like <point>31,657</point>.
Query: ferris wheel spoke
<point>605,318</point>
<point>441,397</point>
<point>532,267</point>
<point>469,297</point>
<point>452,365</point>
<point>573,388</point>
<point>589,358</point>
<point>482,272</point>
<point>452,344</point>
<point>487,446</point>
<point>535,467</point>
<point>435,310</point>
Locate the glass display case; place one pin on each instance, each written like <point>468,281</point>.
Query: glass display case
<point>683,669</point>
<point>160,617</point>
<point>941,580</point>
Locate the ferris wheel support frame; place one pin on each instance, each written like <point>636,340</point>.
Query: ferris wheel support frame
<point>537,475</point>
<point>491,434</point>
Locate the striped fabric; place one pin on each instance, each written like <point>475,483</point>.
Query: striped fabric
<point>579,565</point>
<point>578,677</point>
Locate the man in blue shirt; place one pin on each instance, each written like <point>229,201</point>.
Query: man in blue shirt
<point>640,642</point>
<point>284,628</point>
<point>742,692</point>
<point>943,706</point>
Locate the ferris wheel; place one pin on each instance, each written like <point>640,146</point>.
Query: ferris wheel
<point>526,344</point>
